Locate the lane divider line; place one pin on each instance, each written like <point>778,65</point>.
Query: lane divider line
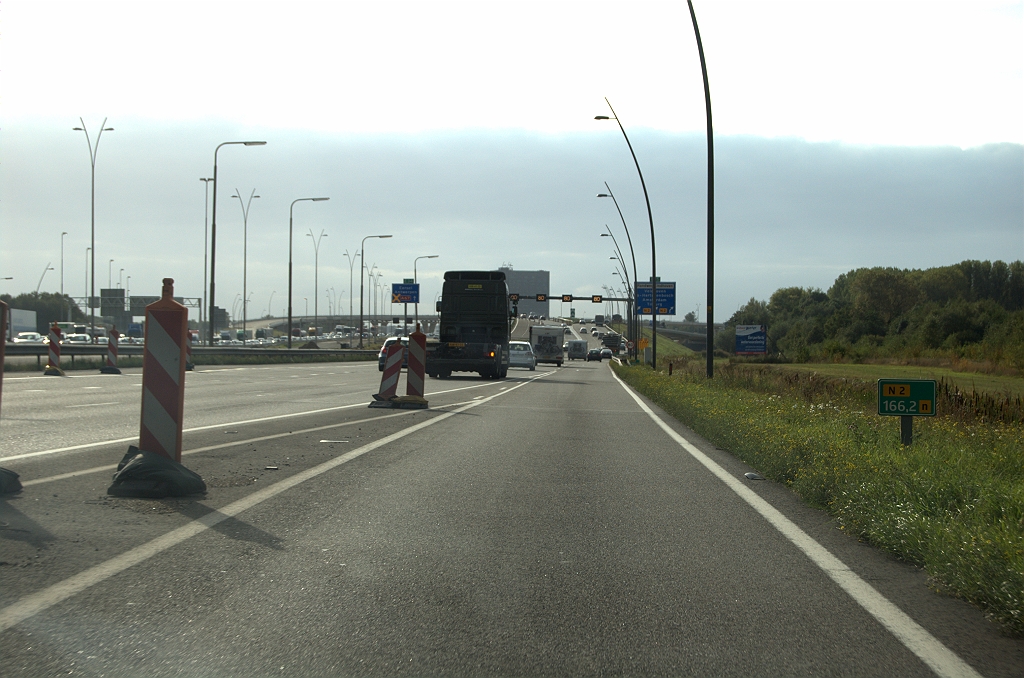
<point>235,443</point>
<point>929,649</point>
<point>104,443</point>
<point>37,602</point>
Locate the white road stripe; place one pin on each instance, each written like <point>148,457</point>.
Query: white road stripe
<point>39,601</point>
<point>939,658</point>
<point>71,407</point>
<point>115,441</point>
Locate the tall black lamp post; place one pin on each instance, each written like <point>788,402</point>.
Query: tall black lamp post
<point>290,214</point>
<point>654,258</point>
<point>213,229</point>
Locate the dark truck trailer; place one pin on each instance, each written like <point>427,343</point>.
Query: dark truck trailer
<point>475,326</point>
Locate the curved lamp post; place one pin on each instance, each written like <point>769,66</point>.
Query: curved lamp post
<point>316,281</point>
<point>290,215</point>
<point>206,244</point>
<point>213,228</point>
<point>92,214</point>
<point>636,321</point>
<point>362,257</point>
<point>710,336</point>
<point>650,218</point>
<point>631,311</point>
<point>48,268</point>
<point>415,279</point>
<point>245,255</point>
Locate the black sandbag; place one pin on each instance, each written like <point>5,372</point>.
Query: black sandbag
<point>153,476</point>
<point>9,483</point>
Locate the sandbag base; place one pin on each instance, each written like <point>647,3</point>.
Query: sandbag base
<point>149,475</point>
<point>9,483</point>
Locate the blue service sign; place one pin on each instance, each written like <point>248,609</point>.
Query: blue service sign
<point>751,340</point>
<point>405,294</point>
<point>666,298</point>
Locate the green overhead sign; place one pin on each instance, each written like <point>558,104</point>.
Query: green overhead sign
<point>906,397</point>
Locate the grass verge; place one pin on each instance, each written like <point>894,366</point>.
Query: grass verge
<point>952,503</point>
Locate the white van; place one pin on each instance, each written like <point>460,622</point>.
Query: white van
<point>576,349</point>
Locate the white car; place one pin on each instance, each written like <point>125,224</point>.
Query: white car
<point>29,338</point>
<point>76,339</point>
<point>520,354</point>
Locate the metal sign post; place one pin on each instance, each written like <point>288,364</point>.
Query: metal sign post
<point>906,399</point>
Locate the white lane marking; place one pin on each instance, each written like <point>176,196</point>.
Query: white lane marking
<point>929,649</point>
<point>39,601</point>
<point>92,387</point>
<point>89,405</point>
<point>103,443</point>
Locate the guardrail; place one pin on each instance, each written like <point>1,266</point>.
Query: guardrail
<point>40,350</point>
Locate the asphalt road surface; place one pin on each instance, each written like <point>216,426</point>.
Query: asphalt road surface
<point>548,524</point>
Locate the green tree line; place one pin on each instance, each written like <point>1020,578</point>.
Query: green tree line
<point>49,307</point>
<point>972,310</point>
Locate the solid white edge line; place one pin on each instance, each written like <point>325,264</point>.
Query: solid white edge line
<point>939,658</point>
<point>37,602</point>
<point>103,443</point>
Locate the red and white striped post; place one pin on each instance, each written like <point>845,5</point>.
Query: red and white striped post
<point>414,377</point>
<point>392,368</point>
<point>163,375</point>
<point>53,363</point>
<point>111,366</point>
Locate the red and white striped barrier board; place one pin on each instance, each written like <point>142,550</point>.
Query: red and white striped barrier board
<point>163,375</point>
<point>111,366</point>
<point>392,368</point>
<point>414,376</point>
<point>53,363</point>
<point>3,343</point>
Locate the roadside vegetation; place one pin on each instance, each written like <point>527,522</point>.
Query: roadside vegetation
<point>952,503</point>
<point>969,315</point>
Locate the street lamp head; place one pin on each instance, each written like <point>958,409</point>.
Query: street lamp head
<point>108,129</point>
<point>320,199</point>
<point>78,129</point>
<point>605,235</point>
<point>383,236</point>
<point>603,195</point>
<point>601,117</point>
<point>254,143</point>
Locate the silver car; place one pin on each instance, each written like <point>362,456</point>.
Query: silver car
<point>520,354</point>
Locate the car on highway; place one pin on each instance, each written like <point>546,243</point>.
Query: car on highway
<point>75,339</point>
<point>594,354</point>
<point>382,356</point>
<point>520,354</point>
<point>606,353</point>
<point>29,338</point>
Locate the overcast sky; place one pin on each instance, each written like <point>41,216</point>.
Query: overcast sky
<point>848,134</point>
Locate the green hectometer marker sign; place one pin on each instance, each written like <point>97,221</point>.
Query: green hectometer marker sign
<point>906,397</point>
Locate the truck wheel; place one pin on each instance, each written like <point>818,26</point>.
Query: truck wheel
<point>533,368</point>
<point>559,363</point>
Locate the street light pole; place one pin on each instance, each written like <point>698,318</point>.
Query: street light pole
<point>206,243</point>
<point>316,281</point>
<point>48,268</point>
<point>213,229</point>
<point>710,327</point>
<point>415,279</point>
<point>362,258</point>
<point>351,262</point>
<point>291,211</point>
<point>245,256</point>
<point>631,313</point>
<point>88,251</point>
<point>92,211</point>
<point>654,258</point>
<point>62,300</point>
<point>636,320</point>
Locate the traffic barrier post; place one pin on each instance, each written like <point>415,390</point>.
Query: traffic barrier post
<point>111,366</point>
<point>415,375</point>
<point>389,377</point>
<point>53,362</point>
<point>163,375</point>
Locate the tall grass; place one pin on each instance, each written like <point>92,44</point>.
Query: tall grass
<point>953,502</point>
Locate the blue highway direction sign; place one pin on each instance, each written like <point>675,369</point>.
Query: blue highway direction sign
<point>666,298</point>
<point>405,294</point>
